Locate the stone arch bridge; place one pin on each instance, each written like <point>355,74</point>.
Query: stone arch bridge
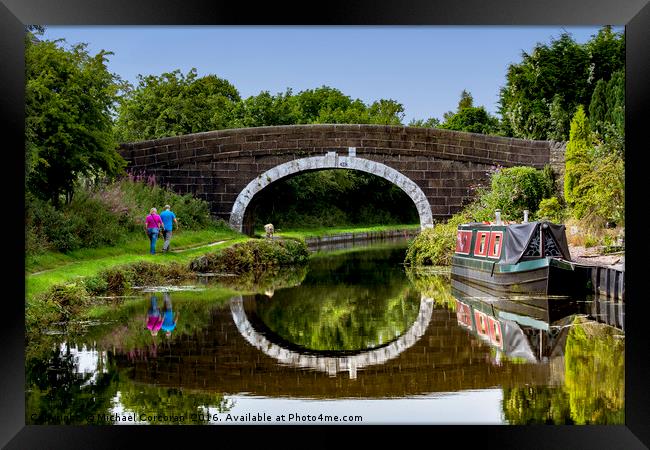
<point>436,168</point>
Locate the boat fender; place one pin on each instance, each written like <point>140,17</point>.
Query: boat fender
<point>492,271</point>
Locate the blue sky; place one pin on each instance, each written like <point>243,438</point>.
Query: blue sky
<point>425,68</point>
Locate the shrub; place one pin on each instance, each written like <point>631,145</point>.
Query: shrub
<point>257,254</point>
<point>600,193</point>
<point>512,190</point>
<point>435,246</point>
<point>95,285</point>
<point>104,214</point>
<point>591,240</point>
<point>70,297</point>
<point>192,213</point>
<point>118,279</point>
<point>551,209</point>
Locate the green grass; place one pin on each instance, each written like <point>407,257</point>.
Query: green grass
<point>135,244</point>
<point>305,233</point>
<point>91,261</point>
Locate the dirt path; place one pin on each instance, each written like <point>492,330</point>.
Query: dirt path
<point>212,244</point>
<point>593,256</point>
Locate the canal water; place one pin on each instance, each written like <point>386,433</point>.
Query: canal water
<point>353,338</point>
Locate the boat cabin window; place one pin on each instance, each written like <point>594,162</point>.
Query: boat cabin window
<point>481,247</point>
<point>495,244</point>
<point>463,241</point>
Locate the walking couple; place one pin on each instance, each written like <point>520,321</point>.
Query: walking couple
<point>155,224</point>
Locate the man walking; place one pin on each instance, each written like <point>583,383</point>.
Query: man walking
<point>168,219</point>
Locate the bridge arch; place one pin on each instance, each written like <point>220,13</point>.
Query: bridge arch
<point>331,160</point>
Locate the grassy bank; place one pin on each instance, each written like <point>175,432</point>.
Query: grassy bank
<point>89,262</point>
<point>305,233</point>
<point>136,244</point>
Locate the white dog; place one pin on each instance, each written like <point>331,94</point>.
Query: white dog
<point>269,230</point>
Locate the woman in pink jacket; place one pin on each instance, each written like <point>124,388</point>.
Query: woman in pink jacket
<point>153,225</point>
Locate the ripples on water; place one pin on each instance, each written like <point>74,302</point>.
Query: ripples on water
<point>353,338</point>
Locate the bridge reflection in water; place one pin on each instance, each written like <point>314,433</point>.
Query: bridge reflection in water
<point>331,364</point>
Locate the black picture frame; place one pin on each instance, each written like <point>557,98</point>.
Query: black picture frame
<point>634,14</point>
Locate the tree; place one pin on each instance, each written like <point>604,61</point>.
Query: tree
<point>577,155</point>
<point>559,119</point>
<point>598,105</point>
<point>607,111</point>
<point>327,105</point>
<point>173,104</point>
<point>469,117</point>
<point>320,105</point>
<point>559,68</point>
<point>472,119</point>
<point>386,112</point>
<point>606,54</point>
<point>69,102</point>
<point>264,109</point>
<point>600,191</point>
<point>466,100</point>
<point>546,87</point>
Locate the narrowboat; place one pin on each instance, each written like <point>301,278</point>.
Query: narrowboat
<point>525,258</point>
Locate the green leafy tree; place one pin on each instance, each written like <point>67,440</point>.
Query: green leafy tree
<point>616,104</point>
<point>469,117</point>
<point>577,155</point>
<point>264,109</point>
<point>327,105</point>
<point>595,174</point>
<point>606,54</point>
<point>174,104</point>
<point>69,102</point>
<point>600,192</point>
<point>466,100</point>
<point>386,112</point>
<point>607,111</point>
<point>559,119</point>
<point>598,110</point>
<point>472,119</point>
<point>561,67</point>
<point>547,86</point>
